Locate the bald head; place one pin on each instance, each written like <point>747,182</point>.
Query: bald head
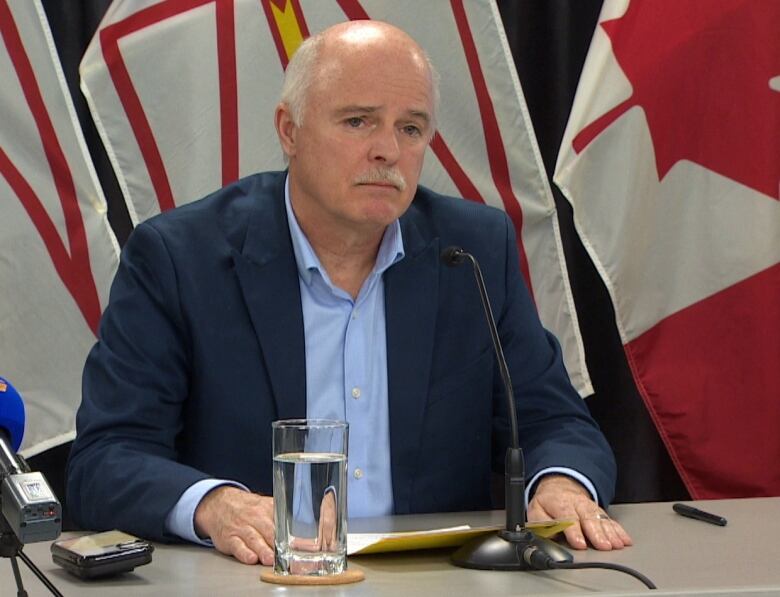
<point>347,45</point>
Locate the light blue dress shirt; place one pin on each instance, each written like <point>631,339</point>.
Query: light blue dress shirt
<point>346,379</point>
<point>346,365</point>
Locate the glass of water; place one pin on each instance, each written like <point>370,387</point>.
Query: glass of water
<point>310,496</point>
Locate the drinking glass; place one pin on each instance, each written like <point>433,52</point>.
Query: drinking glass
<point>310,496</point>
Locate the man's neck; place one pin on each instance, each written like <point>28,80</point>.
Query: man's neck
<point>347,254</point>
<point>348,270</point>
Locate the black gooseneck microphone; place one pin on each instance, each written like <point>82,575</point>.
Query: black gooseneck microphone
<point>513,546</point>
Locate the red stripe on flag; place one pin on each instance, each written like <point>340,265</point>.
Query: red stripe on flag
<point>499,164</point>
<point>228,88</point>
<point>74,269</point>
<point>109,42</point>
<point>710,377</point>
<point>353,10</point>
<point>594,129</point>
<point>462,181</point>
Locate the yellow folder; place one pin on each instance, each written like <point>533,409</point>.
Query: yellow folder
<point>367,543</point>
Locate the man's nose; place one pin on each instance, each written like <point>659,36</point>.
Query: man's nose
<point>384,146</point>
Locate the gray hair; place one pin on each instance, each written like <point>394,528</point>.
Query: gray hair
<point>301,73</point>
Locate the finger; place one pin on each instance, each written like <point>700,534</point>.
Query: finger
<point>328,536</point>
<point>303,544</point>
<point>258,544</point>
<point>266,555</point>
<point>627,540</point>
<point>622,533</point>
<point>590,522</point>
<point>611,535</point>
<point>593,524</point>
<point>255,528</point>
<point>592,529</point>
<point>321,536</point>
<point>575,536</point>
<point>236,547</point>
<point>265,527</point>
<point>600,531</point>
<point>611,530</point>
<point>328,533</point>
<point>322,533</point>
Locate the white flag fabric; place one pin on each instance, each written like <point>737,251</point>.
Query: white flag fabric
<point>671,161</point>
<point>183,93</point>
<point>57,252</point>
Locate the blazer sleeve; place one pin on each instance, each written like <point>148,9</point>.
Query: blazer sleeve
<point>555,426</point>
<point>122,471</point>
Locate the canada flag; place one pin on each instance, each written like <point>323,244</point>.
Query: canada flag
<point>671,161</point>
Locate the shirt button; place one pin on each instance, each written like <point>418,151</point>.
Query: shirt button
<point>355,314</point>
<point>356,393</point>
<point>358,473</point>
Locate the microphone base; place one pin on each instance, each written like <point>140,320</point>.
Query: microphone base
<point>504,551</point>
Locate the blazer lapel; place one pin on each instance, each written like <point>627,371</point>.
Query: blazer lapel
<point>268,278</point>
<point>411,299</point>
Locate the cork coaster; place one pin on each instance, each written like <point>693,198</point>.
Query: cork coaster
<point>345,578</point>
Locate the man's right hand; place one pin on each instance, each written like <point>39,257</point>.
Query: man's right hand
<point>239,523</point>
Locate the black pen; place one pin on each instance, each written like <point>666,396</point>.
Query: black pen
<point>691,512</point>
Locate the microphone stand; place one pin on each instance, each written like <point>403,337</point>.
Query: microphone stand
<point>10,544</point>
<point>11,548</point>
<point>512,547</point>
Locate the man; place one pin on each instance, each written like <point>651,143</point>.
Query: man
<point>319,292</point>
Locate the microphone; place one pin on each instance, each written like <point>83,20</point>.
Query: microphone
<point>28,506</point>
<point>11,428</point>
<point>11,414</point>
<point>514,547</point>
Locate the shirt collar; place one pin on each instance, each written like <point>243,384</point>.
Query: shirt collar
<point>391,249</point>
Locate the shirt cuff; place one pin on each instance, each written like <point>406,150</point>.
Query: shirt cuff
<point>561,470</point>
<point>181,519</point>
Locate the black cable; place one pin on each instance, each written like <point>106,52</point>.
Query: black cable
<point>540,560</point>
<point>607,565</point>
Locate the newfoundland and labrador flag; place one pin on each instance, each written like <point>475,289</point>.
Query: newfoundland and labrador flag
<point>183,93</point>
<point>57,252</point>
<point>671,161</point>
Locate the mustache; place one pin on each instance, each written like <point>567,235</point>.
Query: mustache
<point>382,174</point>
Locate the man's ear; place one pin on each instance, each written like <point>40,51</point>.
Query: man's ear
<point>285,129</point>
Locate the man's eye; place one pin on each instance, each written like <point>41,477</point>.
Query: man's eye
<point>354,121</point>
<point>412,130</point>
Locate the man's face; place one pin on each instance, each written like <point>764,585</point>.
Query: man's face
<point>367,120</point>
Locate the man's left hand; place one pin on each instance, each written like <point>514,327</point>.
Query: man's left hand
<point>561,497</point>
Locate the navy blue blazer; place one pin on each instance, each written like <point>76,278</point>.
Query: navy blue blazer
<point>202,346</point>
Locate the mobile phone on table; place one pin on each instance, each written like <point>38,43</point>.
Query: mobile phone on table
<point>101,554</point>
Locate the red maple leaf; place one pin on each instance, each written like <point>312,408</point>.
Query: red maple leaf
<point>702,72</point>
